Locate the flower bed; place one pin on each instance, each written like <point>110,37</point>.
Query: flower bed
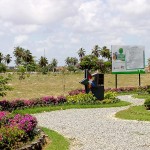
<point>6,105</point>
<point>118,90</point>
<point>16,130</point>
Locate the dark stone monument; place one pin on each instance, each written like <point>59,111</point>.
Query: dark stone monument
<point>94,83</point>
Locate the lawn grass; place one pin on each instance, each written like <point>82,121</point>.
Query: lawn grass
<point>141,96</point>
<point>57,141</point>
<point>134,113</point>
<point>64,107</point>
<point>38,85</point>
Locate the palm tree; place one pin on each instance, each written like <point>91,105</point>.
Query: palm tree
<point>27,56</point>
<point>54,63</point>
<point>81,53</point>
<point>68,61</point>
<point>96,51</point>
<point>43,61</point>
<point>18,61</point>
<point>71,61</point>
<point>7,59</point>
<point>18,52</point>
<point>105,52</point>
<point>1,57</point>
<point>74,61</point>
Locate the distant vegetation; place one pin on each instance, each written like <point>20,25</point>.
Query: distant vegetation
<point>99,59</point>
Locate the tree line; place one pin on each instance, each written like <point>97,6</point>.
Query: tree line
<point>99,59</point>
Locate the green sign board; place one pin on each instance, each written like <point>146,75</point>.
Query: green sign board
<point>128,59</point>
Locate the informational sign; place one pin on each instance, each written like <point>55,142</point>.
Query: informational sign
<point>128,59</point>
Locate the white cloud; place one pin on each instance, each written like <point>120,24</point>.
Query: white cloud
<point>61,27</point>
<point>20,39</point>
<point>33,11</point>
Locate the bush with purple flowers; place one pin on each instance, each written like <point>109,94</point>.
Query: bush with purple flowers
<point>14,129</point>
<point>6,105</point>
<point>4,118</point>
<point>24,122</point>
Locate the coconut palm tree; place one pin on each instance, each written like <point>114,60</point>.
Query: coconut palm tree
<point>53,64</point>
<point>96,51</point>
<point>74,61</point>
<point>71,61</point>
<point>7,59</point>
<point>18,52</point>
<point>43,61</point>
<point>81,53</point>
<point>68,61</point>
<point>105,53</point>
<point>27,56</point>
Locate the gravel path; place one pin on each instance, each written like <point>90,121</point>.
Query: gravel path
<point>97,129</point>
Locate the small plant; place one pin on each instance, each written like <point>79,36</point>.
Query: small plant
<point>110,95</point>
<point>3,85</point>
<point>147,103</point>
<point>81,99</point>
<point>21,72</point>
<point>10,136</point>
<point>148,91</point>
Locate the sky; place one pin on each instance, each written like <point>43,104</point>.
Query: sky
<point>62,27</point>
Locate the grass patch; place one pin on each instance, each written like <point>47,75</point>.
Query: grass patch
<point>134,113</point>
<point>142,96</point>
<point>63,107</point>
<point>38,85</point>
<point>58,142</point>
<point>126,93</point>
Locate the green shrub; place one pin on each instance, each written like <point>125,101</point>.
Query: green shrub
<point>148,91</point>
<point>147,103</point>
<point>2,68</point>
<point>21,72</point>
<point>4,87</point>
<point>81,99</point>
<point>10,136</point>
<point>110,95</point>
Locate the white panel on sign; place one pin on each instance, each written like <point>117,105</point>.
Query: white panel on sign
<point>128,59</point>
<point>134,57</point>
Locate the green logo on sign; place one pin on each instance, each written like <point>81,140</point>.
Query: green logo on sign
<point>119,56</point>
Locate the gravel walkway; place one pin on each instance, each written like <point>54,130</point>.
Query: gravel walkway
<point>98,129</point>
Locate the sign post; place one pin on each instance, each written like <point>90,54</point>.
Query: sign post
<point>116,80</point>
<point>128,60</point>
